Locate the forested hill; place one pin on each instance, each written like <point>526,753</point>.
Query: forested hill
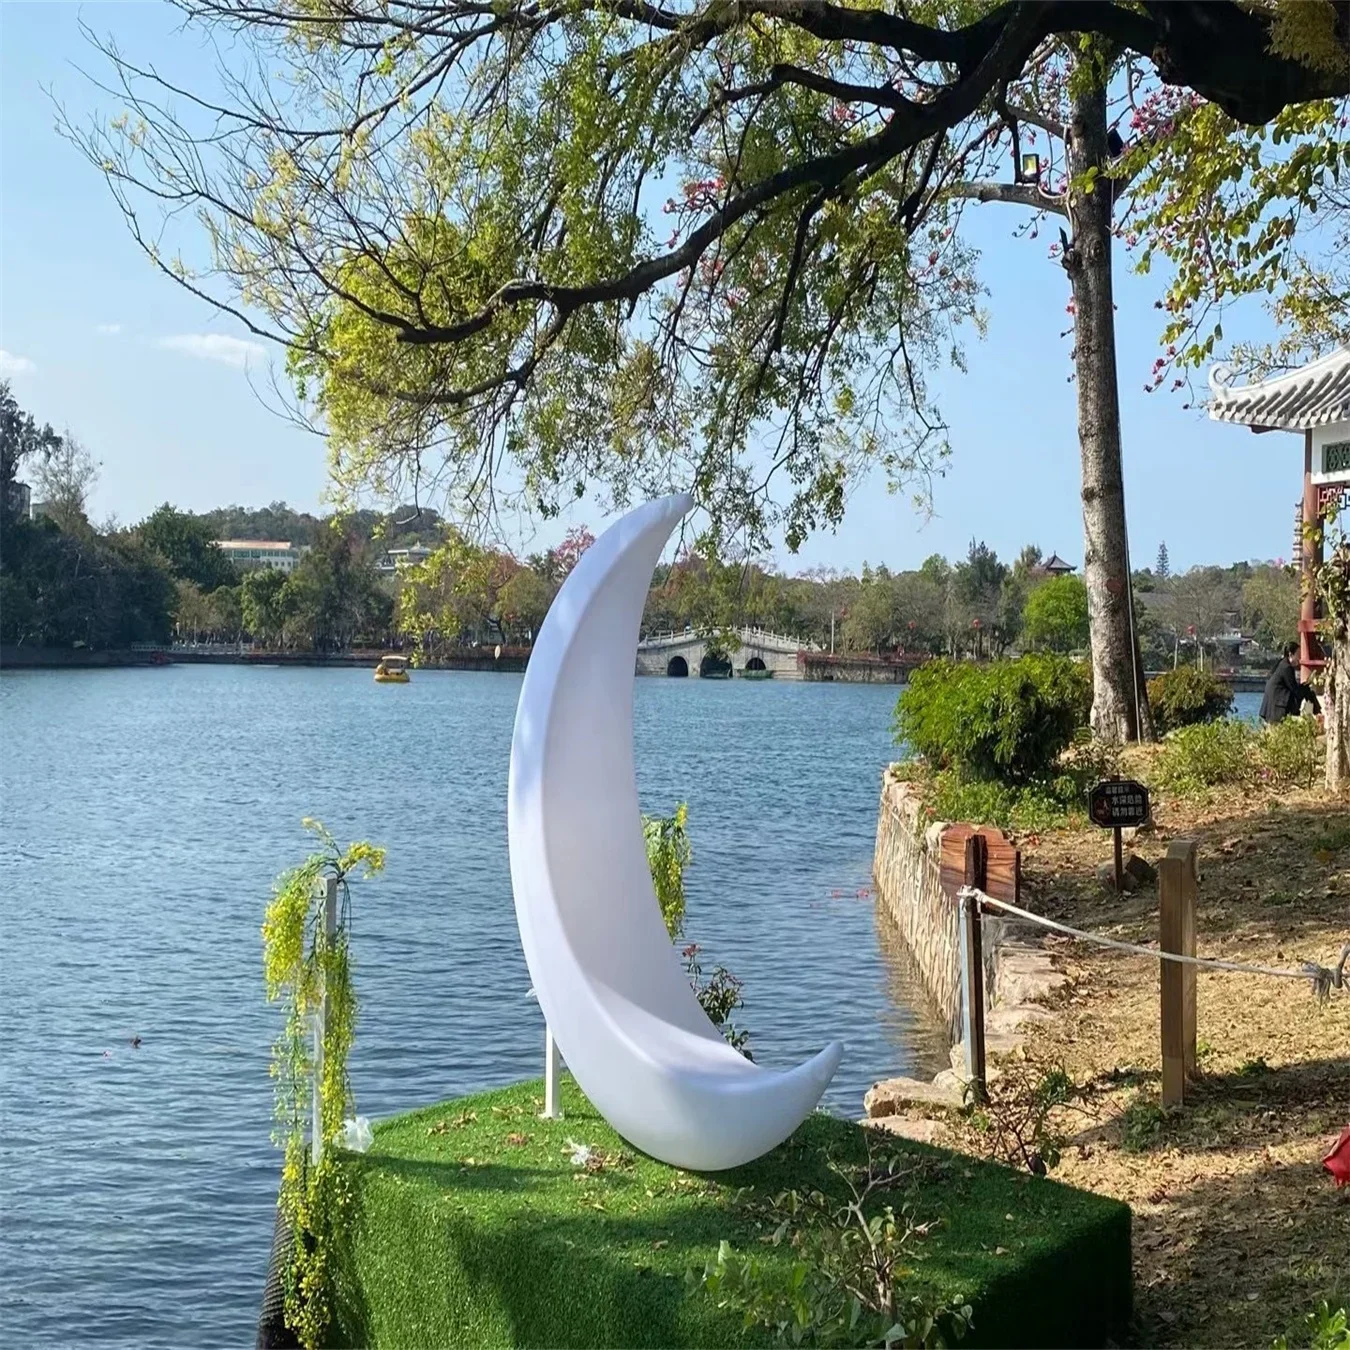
<point>401,527</point>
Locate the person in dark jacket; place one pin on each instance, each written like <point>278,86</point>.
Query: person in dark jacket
<point>1285,693</point>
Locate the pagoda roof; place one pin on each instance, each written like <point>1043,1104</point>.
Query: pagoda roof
<point>1315,395</point>
<point>1054,563</point>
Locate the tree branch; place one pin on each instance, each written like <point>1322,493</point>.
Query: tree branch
<point>1046,123</point>
<point>1017,194</point>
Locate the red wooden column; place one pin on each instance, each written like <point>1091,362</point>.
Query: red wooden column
<point>1309,649</point>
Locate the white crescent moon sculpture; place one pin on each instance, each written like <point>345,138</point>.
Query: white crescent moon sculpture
<point>604,969</point>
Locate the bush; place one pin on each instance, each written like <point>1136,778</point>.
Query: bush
<point>1033,806</point>
<point>1186,696</point>
<point>1004,721</point>
<point>1203,756</point>
<point>1290,753</point>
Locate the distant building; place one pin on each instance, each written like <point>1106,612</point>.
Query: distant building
<point>247,554</point>
<point>19,499</point>
<point>1055,566</point>
<point>396,559</point>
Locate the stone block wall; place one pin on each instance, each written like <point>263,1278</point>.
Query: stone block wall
<point>911,883</point>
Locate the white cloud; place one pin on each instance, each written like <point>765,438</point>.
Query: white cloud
<point>109,329</point>
<point>15,365</point>
<point>232,351</point>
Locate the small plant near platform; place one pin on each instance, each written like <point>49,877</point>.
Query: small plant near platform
<point>846,1286</point>
<point>1186,697</point>
<point>1017,1122</point>
<point>669,853</point>
<point>310,970</point>
<point>719,996</point>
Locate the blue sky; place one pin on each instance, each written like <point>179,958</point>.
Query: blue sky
<point>154,382</point>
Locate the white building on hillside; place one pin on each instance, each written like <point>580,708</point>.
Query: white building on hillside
<point>396,559</point>
<point>246,554</point>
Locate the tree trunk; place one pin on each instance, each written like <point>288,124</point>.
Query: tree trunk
<point>1117,670</point>
<point>1336,710</point>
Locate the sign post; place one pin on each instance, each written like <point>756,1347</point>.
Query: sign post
<point>1115,804</point>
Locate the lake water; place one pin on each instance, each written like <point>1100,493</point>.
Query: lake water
<point>145,813</point>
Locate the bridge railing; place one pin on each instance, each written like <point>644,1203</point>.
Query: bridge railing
<point>746,633</point>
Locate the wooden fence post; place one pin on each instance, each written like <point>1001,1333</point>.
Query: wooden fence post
<point>1177,877</point>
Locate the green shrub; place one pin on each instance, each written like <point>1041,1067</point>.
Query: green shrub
<point>1001,721</point>
<point>1186,696</point>
<point>1033,806</point>
<point>1326,1329</point>
<point>1206,755</point>
<point>1289,751</point>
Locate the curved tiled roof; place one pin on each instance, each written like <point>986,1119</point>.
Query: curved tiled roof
<point>1313,396</point>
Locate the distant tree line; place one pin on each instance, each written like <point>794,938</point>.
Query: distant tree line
<point>65,583</point>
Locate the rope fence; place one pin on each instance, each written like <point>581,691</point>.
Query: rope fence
<point>1323,978</point>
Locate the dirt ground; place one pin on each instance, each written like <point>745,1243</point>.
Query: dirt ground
<point>1238,1231</point>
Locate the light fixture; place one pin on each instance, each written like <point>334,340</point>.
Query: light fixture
<point>1031,168</point>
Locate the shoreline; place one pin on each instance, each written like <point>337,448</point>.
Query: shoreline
<point>512,660</point>
<point>1236,1227</point>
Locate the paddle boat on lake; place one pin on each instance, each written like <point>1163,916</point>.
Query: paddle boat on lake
<point>392,670</point>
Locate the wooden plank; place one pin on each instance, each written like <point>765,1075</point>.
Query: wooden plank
<point>1003,872</point>
<point>1002,866</point>
<point>958,859</point>
<point>1177,877</point>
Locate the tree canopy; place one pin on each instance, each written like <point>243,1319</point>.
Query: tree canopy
<point>1056,615</point>
<point>188,547</point>
<point>451,215</point>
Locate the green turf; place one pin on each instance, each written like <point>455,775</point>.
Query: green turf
<point>471,1227</point>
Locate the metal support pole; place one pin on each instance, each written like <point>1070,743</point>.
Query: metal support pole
<point>552,1064</point>
<point>972,990</point>
<point>327,887</point>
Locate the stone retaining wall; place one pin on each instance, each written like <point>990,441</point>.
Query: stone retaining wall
<point>919,869</point>
<point>921,898</point>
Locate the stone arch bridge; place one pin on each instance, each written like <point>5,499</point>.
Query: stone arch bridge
<point>761,654</point>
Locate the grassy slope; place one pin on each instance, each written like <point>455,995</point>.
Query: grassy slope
<point>472,1227</point>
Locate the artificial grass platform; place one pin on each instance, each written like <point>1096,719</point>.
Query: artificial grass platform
<point>471,1226</point>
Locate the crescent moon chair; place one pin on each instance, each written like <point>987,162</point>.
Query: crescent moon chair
<point>605,972</point>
